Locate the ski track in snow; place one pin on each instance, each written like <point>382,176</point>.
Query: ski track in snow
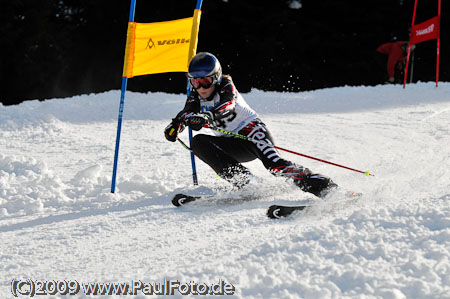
<point>58,219</point>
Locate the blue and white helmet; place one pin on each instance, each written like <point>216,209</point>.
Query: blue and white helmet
<point>205,65</point>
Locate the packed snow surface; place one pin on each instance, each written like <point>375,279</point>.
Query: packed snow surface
<point>59,220</point>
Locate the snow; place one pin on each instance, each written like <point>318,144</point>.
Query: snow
<point>59,220</point>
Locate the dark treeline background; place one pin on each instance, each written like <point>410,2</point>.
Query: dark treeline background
<point>60,48</point>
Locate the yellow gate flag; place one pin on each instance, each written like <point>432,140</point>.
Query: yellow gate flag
<point>161,47</point>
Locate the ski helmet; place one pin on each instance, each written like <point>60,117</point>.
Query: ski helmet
<point>205,65</point>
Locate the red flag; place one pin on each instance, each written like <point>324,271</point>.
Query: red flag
<point>425,31</point>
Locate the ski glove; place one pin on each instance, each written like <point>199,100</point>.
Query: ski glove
<point>198,121</point>
<point>171,131</point>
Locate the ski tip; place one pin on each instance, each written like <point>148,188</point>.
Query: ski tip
<point>277,211</point>
<point>273,212</point>
<point>177,200</point>
<point>180,199</point>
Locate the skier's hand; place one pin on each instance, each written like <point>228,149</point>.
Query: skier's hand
<point>171,131</point>
<point>198,121</point>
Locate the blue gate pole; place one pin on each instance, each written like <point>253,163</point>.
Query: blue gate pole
<point>194,168</point>
<point>122,102</point>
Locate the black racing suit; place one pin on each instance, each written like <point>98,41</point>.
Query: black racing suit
<point>225,153</point>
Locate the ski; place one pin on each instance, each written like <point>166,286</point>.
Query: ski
<point>180,199</point>
<point>278,211</point>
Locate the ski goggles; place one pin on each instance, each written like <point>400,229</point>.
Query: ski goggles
<point>205,82</point>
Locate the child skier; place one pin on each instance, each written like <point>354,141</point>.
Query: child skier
<point>214,101</point>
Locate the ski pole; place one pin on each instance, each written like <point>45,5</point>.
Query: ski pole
<point>184,144</point>
<point>236,135</point>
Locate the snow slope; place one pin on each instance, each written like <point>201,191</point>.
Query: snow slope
<point>59,221</point>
